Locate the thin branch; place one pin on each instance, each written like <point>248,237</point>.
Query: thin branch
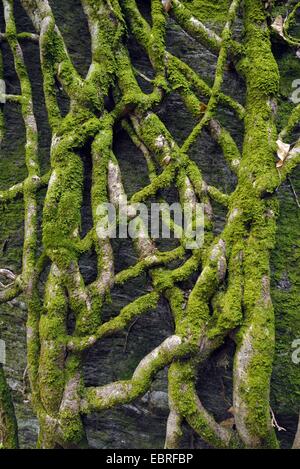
<point>199,31</point>
<point>219,77</point>
<point>128,333</point>
<point>22,37</point>
<point>275,423</point>
<point>130,312</point>
<point>218,196</point>
<point>294,192</point>
<point>16,191</point>
<point>121,392</point>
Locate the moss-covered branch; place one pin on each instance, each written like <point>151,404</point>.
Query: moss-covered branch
<point>198,30</point>
<point>228,276</point>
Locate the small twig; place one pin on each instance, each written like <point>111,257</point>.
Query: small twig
<point>13,98</point>
<point>2,285</point>
<point>127,335</point>
<point>294,192</point>
<point>31,37</point>
<point>142,75</point>
<point>224,391</point>
<point>275,423</point>
<point>280,180</point>
<point>8,274</point>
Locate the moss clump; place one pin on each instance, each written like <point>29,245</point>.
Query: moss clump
<point>285,294</point>
<point>209,11</point>
<point>8,424</point>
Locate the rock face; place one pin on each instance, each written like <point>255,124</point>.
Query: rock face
<point>142,423</point>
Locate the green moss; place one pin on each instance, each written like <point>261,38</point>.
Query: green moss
<point>207,10</point>
<point>148,262</point>
<point>164,279</point>
<point>8,424</point>
<point>156,45</point>
<point>182,376</point>
<point>285,294</point>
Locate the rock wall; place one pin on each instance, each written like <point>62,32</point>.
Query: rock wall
<point>142,423</point>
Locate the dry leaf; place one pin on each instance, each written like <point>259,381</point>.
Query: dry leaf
<point>283,150</point>
<point>228,423</point>
<point>278,25</point>
<point>166,160</point>
<point>167,4</point>
<point>203,107</point>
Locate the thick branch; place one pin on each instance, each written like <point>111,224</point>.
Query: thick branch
<point>121,392</point>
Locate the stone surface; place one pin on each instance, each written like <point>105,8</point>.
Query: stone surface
<point>142,423</point>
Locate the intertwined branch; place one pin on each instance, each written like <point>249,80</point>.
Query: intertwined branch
<point>232,268</point>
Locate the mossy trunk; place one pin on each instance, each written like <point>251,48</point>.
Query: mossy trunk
<point>8,423</point>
